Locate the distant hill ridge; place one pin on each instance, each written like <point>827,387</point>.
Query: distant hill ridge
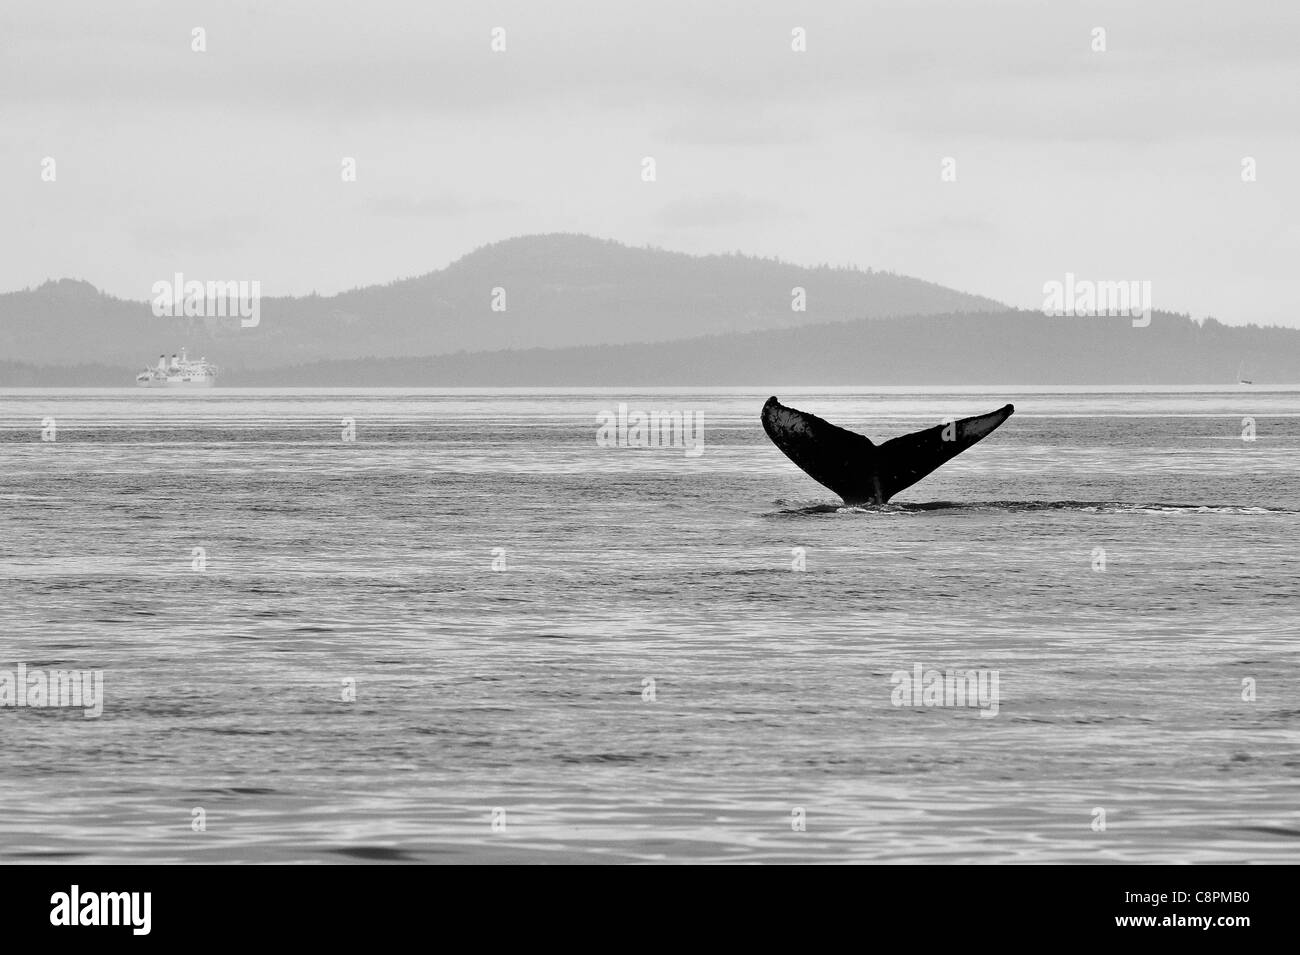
<point>1009,347</point>
<point>559,290</point>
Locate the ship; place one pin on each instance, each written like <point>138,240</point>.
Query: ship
<point>181,372</point>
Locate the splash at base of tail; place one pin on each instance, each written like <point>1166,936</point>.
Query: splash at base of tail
<point>862,472</point>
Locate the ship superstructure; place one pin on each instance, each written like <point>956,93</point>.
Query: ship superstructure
<point>182,372</point>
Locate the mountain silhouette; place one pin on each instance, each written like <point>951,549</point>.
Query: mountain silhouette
<point>585,311</point>
<point>558,290</point>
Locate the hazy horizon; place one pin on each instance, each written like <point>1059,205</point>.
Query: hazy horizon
<point>1115,165</point>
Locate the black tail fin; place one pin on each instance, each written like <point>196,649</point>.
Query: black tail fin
<point>862,472</point>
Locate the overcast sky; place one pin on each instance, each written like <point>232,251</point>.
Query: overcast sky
<point>226,164</point>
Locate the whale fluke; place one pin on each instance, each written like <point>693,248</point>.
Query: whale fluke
<point>858,470</point>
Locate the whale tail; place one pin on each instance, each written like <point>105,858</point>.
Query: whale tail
<point>862,472</point>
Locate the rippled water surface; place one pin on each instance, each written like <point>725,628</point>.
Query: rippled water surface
<point>1124,561</point>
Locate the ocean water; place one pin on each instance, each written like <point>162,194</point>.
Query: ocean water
<point>646,677</point>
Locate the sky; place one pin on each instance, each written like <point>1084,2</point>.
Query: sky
<point>1117,164</point>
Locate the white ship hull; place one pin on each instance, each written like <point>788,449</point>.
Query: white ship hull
<point>176,382</point>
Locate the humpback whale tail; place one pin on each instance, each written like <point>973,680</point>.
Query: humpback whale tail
<point>858,470</point>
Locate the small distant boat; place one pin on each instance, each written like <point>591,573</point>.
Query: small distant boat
<point>1241,379</point>
<point>178,373</point>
